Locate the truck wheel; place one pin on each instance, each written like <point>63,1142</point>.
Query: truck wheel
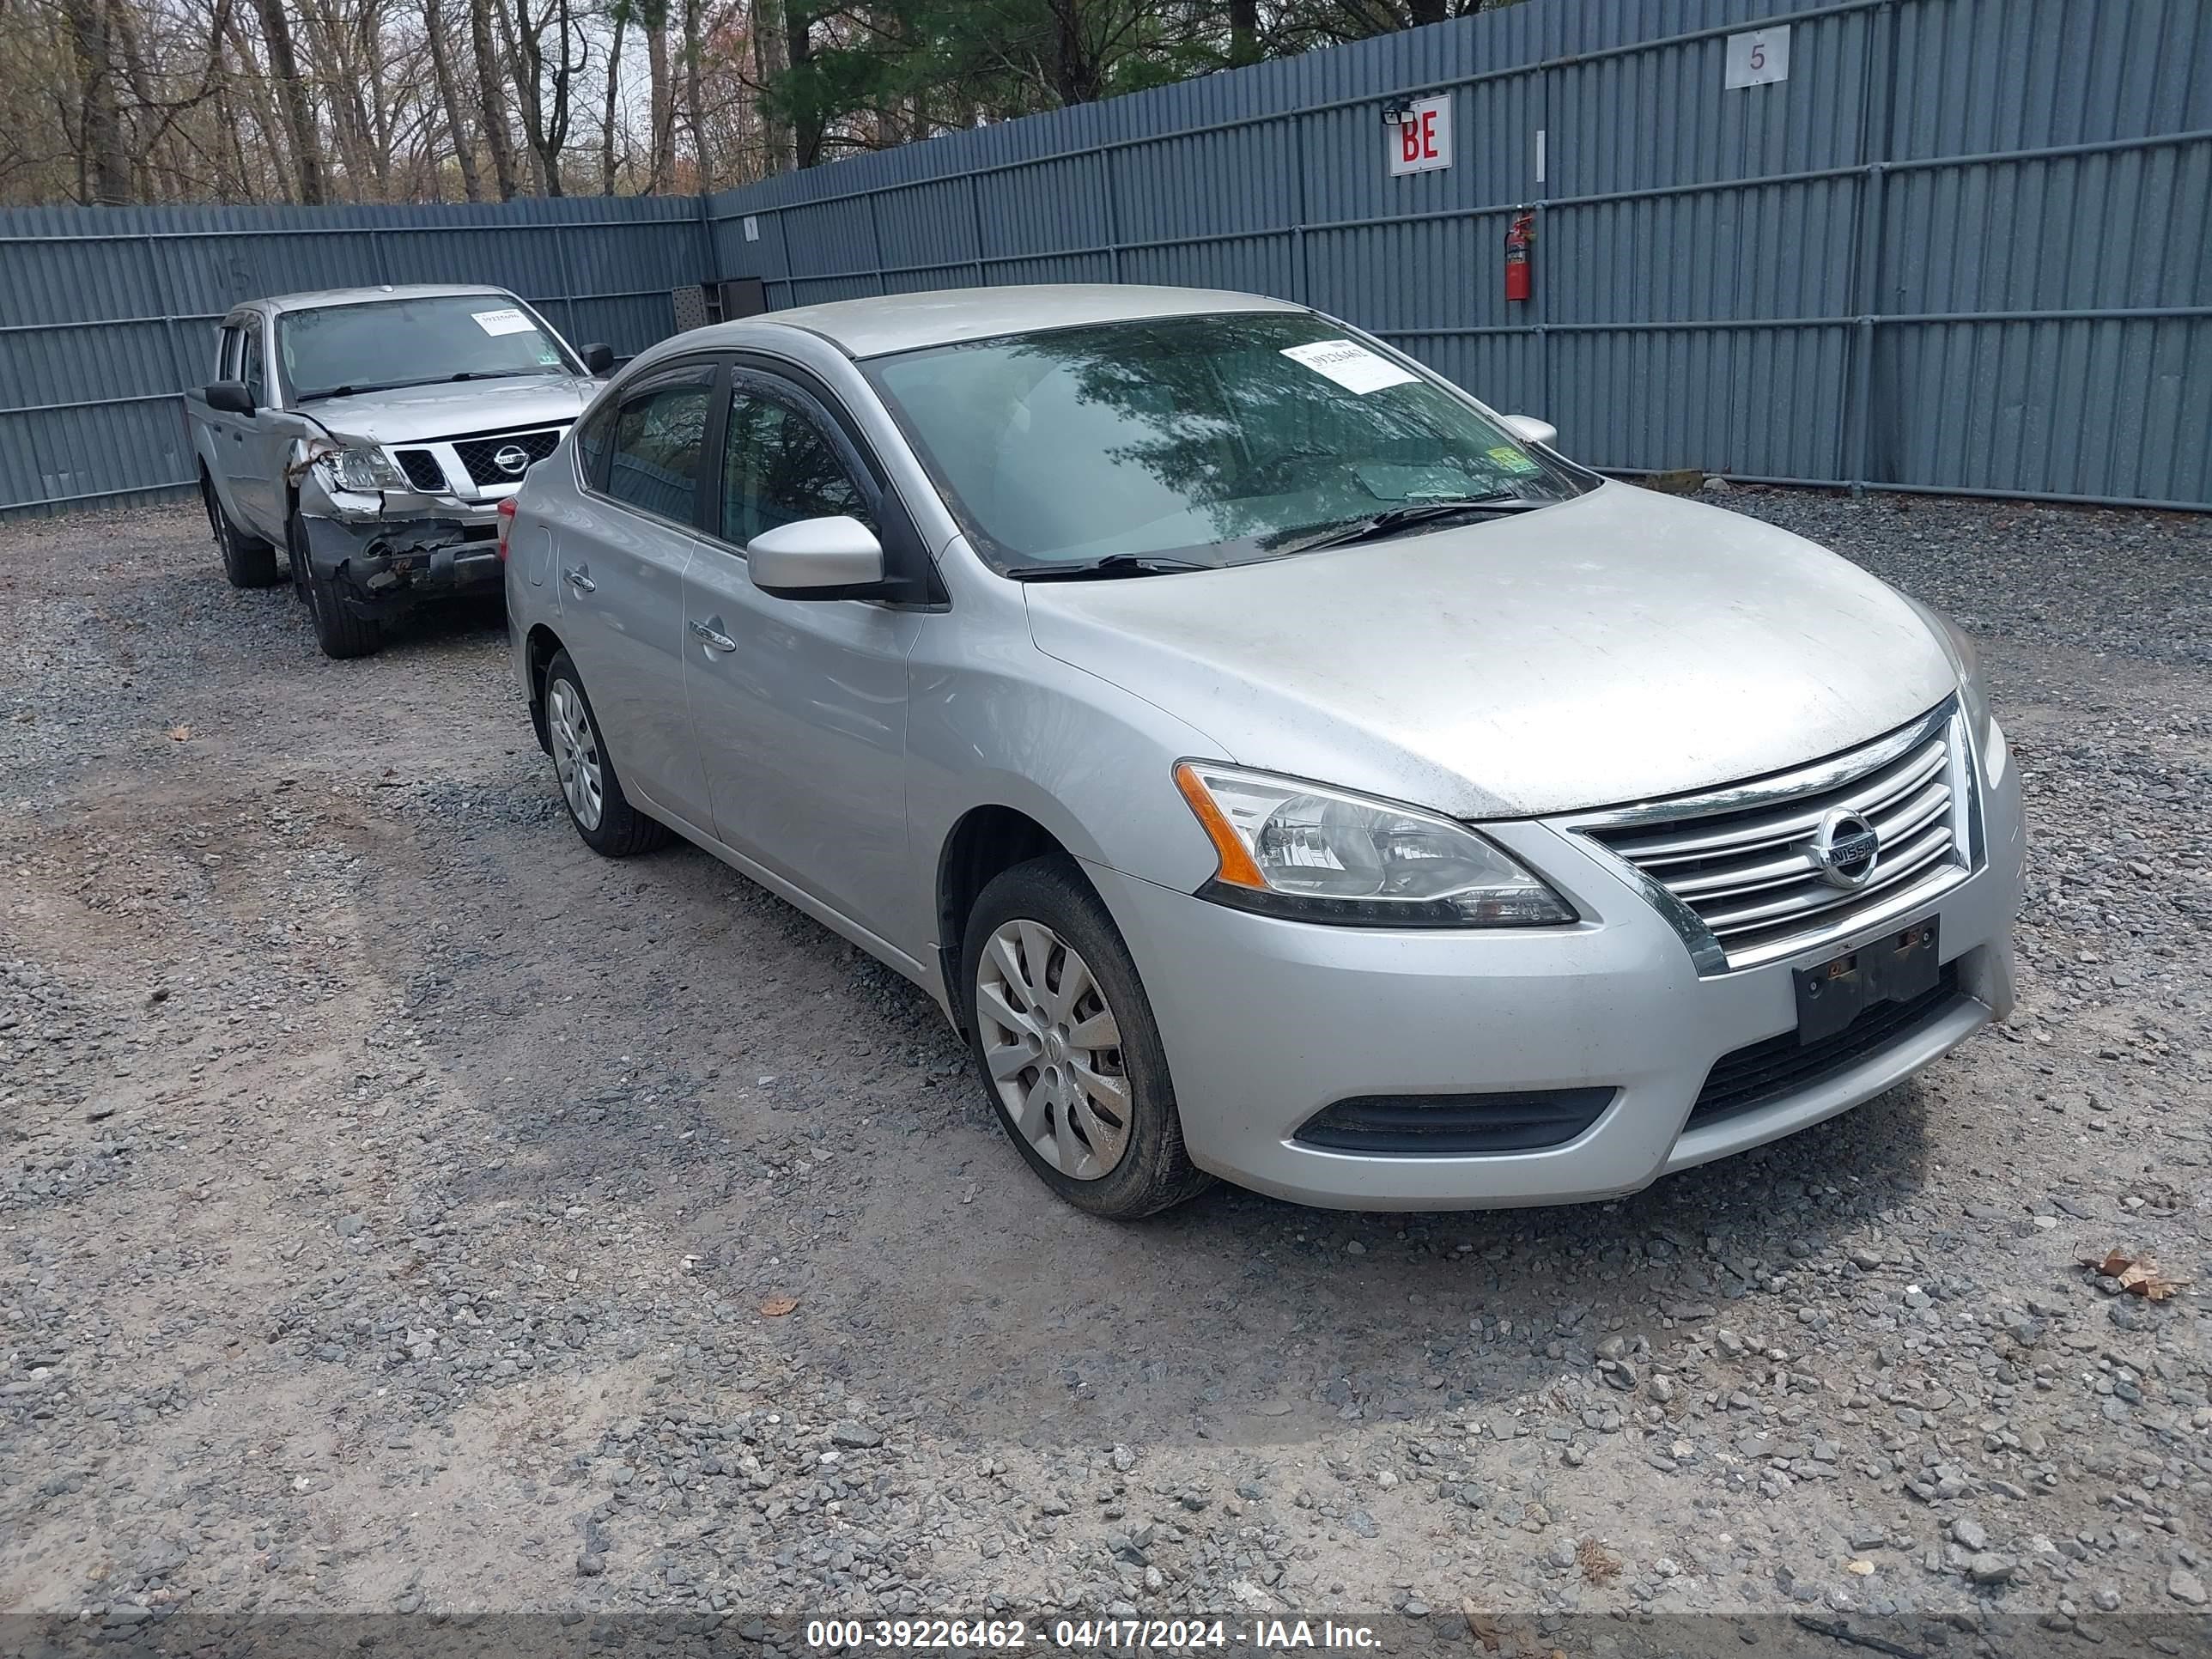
<point>296,549</point>
<point>603,816</point>
<point>248,560</point>
<point>338,630</point>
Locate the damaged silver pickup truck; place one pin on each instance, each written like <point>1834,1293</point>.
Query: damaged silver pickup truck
<point>373,433</point>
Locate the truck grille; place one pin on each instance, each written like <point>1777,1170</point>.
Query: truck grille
<point>422,469</point>
<point>1735,869</point>
<point>476,453</point>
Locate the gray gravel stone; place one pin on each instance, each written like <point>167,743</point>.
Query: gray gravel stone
<point>393,1193</point>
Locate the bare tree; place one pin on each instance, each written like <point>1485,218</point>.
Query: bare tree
<point>620,19</point>
<point>693,53</point>
<point>292,91</point>
<point>104,158</point>
<point>449,95</point>
<point>490,79</point>
<point>543,83</point>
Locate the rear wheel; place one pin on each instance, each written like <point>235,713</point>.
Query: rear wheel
<point>1064,1040</point>
<point>590,787</point>
<point>247,560</point>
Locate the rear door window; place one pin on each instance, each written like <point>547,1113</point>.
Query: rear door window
<point>660,432</point>
<point>249,369</point>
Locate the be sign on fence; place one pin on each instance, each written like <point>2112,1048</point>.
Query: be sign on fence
<point>1756,58</point>
<point>1421,142</point>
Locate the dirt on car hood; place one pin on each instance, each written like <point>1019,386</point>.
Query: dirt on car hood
<point>1620,646</point>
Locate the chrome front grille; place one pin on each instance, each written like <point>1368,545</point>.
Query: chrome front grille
<point>1735,869</point>
<point>476,453</point>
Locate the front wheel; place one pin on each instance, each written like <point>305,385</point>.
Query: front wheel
<point>1064,1042</point>
<point>339,632</point>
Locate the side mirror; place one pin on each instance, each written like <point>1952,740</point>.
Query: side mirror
<point>1530,430</point>
<point>837,558</point>
<point>228,396</point>
<point>599,358</point>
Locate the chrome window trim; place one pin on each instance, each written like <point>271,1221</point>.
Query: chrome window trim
<point>1710,959</point>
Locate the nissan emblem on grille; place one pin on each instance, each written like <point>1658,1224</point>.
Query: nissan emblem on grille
<point>514,459</point>
<point>1844,848</point>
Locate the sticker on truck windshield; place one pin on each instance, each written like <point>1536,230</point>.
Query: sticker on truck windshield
<point>506,320</point>
<point>1350,364</point>
<point>1512,459</point>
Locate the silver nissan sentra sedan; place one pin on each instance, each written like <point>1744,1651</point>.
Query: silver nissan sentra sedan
<point>1279,766</point>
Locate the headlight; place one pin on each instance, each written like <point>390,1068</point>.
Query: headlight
<point>1290,848</point>
<point>1974,698</point>
<point>1973,689</point>
<point>364,471</point>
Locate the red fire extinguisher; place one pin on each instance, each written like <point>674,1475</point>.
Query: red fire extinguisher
<point>1518,240</point>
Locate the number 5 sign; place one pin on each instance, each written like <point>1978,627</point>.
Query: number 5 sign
<point>1756,58</point>
<point>1420,140</point>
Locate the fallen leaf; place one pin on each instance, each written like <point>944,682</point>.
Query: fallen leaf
<point>179,733</point>
<point>777,1306</point>
<point>2138,1274</point>
<point>1480,1626</point>
<point>1597,1564</point>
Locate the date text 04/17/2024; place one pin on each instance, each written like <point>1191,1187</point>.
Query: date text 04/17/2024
<point>1079,1635</point>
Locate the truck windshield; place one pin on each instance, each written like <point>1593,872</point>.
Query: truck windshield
<point>1210,440</point>
<point>334,350</point>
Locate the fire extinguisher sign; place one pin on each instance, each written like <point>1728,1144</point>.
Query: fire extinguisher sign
<point>1420,139</point>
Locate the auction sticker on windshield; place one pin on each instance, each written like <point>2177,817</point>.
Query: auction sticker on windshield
<point>506,320</point>
<point>1350,364</point>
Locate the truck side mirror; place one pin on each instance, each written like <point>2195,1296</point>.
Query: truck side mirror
<point>228,396</point>
<point>599,358</point>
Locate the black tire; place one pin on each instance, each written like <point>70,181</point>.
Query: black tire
<point>296,549</point>
<point>340,632</point>
<point>622,831</point>
<point>1154,1172</point>
<point>247,560</point>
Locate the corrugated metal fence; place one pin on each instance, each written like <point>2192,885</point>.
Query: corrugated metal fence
<point>1965,245</point>
<point>107,314</point>
<point>1962,247</point>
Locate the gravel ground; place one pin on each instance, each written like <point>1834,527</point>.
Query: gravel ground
<point>397,1200</point>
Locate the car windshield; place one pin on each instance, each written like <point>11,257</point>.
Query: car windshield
<point>383,344</point>
<point>1213,440</point>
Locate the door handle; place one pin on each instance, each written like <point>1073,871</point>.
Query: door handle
<point>580,582</point>
<point>713,636</point>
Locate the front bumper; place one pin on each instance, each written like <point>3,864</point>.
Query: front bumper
<point>1266,1022</point>
<point>380,568</point>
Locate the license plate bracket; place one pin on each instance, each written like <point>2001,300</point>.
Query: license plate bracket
<point>1895,968</point>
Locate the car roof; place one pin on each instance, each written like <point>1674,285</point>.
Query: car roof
<point>901,322</point>
<point>354,296</point>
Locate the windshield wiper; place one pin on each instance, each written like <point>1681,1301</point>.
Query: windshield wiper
<point>1114,564</point>
<point>494,374</point>
<point>357,391</point>
<point>1391,520</point>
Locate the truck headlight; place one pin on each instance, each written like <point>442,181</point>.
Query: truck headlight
<point>1287,847</point>
<point>363,470</point>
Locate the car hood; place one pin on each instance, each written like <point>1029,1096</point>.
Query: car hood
<point>1620,646</point>
<point>416,414</point>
